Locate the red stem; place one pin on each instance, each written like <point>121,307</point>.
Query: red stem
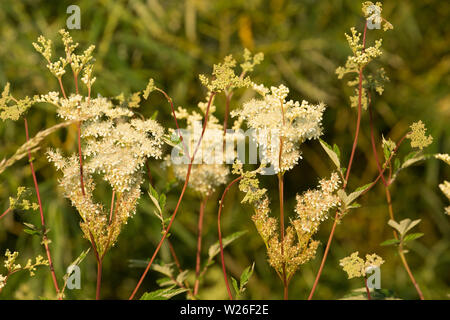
<point>5,213</point>
<point>44,236</point>
<point>219,214</point>
<point>62,88</point>
<point>199,244</point>
<point>367,289</point>
<point>188,174</point>
<point>322,264</point>
<point>349,167</point>
<point>99,279</point>
<point>389,202</point>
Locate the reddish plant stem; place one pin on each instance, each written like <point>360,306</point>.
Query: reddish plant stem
<point>44,236</point>
<point>188,174</point>
<point>199,244</point>
<point>5,213</point>
<point>62,88</point>
<point>219,214</point>
<point>322,264</point>
<point>390,207</point>
<point>175,117</point>
<point>389,160</point>
<point>99,278</point>
<point>408,270</point>
<point>349,167</point>
<point>99,266</point>
<point>358,122</point>
<point>367,289</point>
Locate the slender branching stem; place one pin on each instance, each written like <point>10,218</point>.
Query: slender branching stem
<point>41,211</point>
<point>219,231</point>
<point>99,278</point>
<point>349,167</point>
<point>325,254</point>
<point>188,174</point>
<point>367,289</point>
<point>390,207</point>
<point>401,253</point>
<point>62,88</point>
<point>199,244</point>
<point>6,212</point>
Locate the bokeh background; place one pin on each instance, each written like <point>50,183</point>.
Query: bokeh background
<point>173,41</point>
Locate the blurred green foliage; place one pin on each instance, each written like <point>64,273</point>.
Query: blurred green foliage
<point>173,41</point>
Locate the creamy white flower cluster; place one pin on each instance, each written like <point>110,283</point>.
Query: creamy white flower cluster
<point>207,172</point>
<point>313,205</point>
<point>280,122</point>
<point>118,150</point>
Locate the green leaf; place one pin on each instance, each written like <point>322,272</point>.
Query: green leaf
<point>76,262</point>
<point>397,164</point>
<point>389,242</point>
<point>215,248</point>
<point>154,196</point>
<point>235,285</point>
<point>412,236</point>
<point>403,226</point>
<point>245,276</point>
<point>337,151</point>
<point>162,294</point>
<point>164,282</point>
<point>165,269</point>
<point>412,158</point>
<point>387,152</point>
<point>137,263</point>
<point>32,232</point>
<point>162,201</point>
<point>355,194</point>
<point>181,277</point>
<point>331,153</point>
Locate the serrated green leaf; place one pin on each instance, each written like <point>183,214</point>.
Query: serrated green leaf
<point>412,236</point>
<point>331,153</point>
<point>235,285</point>
<point>162,201</point>
<point>76,262</point>
<point>215,248</point>
<point>355,194</point>
<point>164,282</point>
<point>245,276</point>
<point>337,151</point>
<point>165,269</point>
<point>181,277</point>
<point>389,242</point>
<point>162,294</point>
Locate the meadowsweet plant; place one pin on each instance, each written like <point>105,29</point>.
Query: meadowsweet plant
<point>116,146</point>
